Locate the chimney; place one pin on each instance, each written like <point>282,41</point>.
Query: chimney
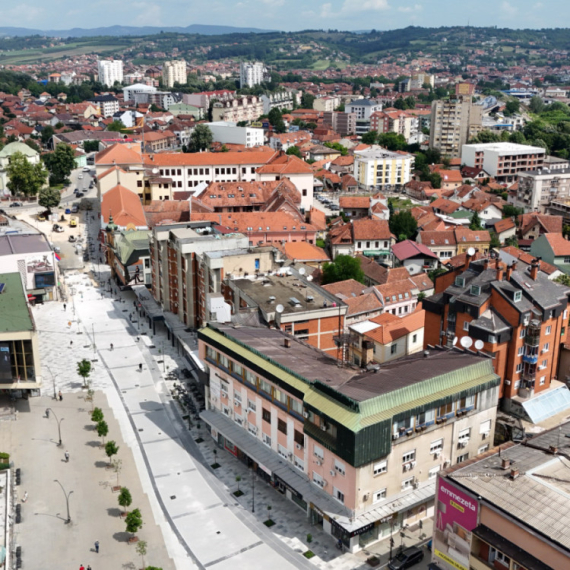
<point>534,269</point>
<point>486,264</point>
<point>510,269</point>
<point>514,474</point>
<point>467,262</point>
<point>505,464</point>
<point>287,342</point>
<point>499,267</point>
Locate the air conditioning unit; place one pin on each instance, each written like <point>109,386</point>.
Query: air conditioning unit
<point>407,466</point>
<point>463,443</point>
<point>305,414</point>
<point>324,427</point>
<point>485,434</point>
<point>437,453</point>
<point>366,497</point>
<point>290,455</point>
<point>508,382</point>
<point>298,446</point>
<point>412,464</point>
<point>333,473</point>
<point>236,403</point>
<point>395,436</point>
<point>318,462</point>
<point>446,464</point>
<point>250,410</point>
<point>324,483</point>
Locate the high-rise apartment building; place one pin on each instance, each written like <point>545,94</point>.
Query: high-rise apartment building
<point>110,71</point>
<point>174,72</point>
<point>251,74</point>
<point>455,121</point>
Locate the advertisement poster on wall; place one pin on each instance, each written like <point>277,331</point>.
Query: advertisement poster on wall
<point>5,366</point>
<point>456,516</point>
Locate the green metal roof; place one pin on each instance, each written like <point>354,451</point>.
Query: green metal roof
<point>14,313</point>
<point>130,242</point>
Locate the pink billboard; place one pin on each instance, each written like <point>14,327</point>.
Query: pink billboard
<point>456,516</point>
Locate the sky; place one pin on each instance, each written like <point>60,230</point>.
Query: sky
<point>287,15</point>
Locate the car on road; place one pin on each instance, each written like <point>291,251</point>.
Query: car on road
<point>334,207</point>
<point>80,176</point>
<point>72,239</point>
<point>406,559</point>
<point>57,228</point>
<point>86,169</point>
<point>15,204</point>
<point>79,195</point>
<point>41,218</point>
<point>73,223</point>
<point>74,209</point>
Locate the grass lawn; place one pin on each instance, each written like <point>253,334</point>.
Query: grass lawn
<point>321,64</point>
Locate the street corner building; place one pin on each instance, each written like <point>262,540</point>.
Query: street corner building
<point>358,450</point>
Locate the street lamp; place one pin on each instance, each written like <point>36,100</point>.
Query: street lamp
<point>53,377</point>
<point>252,489</point>
<point>67,495</point>
<point>58,425</point>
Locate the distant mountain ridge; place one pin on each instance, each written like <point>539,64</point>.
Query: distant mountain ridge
<point>131,31</point>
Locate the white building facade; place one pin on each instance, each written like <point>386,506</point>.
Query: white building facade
<point>227,132</point>
<point>110,71</point>
<point>251,74</point>
<point>377,167</point>
<point>174,72</point>
<point>131,91</point>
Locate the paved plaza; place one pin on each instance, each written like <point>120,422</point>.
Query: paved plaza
<point>191,505</point>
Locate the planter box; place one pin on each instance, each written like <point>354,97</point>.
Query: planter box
<point>133,539</point>
<point>116,488</point>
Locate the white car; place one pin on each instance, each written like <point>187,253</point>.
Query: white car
<point>80,176</point>
<point>86,169</point>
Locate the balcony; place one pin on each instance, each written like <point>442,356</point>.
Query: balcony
<point>530,358</point>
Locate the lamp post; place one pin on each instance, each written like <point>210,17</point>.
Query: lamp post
<point>53,377</point>
<point>252,489</point>
<point>67,495</point>
<point>58,425</point>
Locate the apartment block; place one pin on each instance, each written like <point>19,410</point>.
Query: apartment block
<point>342,123</point>
<point>326,104</point>
<point>379,168</point>
<point>251,74</point>
<point>453,123</point>
<point>358,452</point>
<point>247,108</point>
<point>502,160</point>
<point>520,318</point>
<point>537,190</point>
<point>282,100</point>
<point>174,72</point>
<point>229,133</point>
<point>506,509</point>
<point>110,71</point>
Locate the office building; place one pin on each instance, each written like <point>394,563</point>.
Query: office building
<point>342,123</point>
<point>174,72</point>
<point>357,451</point>
<point>455,121</point>
<point>507,509</point>
<point>503,160</point>
<point>251,74</point>
<point>110,71</point>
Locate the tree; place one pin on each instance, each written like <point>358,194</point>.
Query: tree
<point>563,280</point>
<point>111,448</point>
<point>60,163</point>
<point>201,138</point>
<point>49,198</point>
<point>392,141</point>
<point>97,415</point>
<point>512,241</point>
<point>24,177</point>
<point>342,268</point>
<point>517,137</point>
<point>46,134</point>
<point>435,179</point>
<point>436,272</point>
<point>294,150</point>
<point>475,224</point>
<point>307,101</point>
<point>369,137</point>
<point>536,104</point>
<point>102,429</point>
<point>238,479</point>
<point>116,126</point>
<point>133,521</point>
<point>495,242</point>
<point>403,224</point>
<point>141,550</point>
<point>125,500</point>
<point>399,103</point>
<point>84,370</point>
<point>276,120</point>
<point>91,146</point>
<point>509,211</point>
<point>117,465</point>
<point>512,107</point>
<point>33,144</point>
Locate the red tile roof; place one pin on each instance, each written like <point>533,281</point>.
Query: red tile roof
<point>559,245</point>
<point>125,207</point>
<point>408,249</point>
<point>366,229</point>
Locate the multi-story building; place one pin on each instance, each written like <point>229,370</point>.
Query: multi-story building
<point>379,168</point>
<point>538,189</point>
<point>503,160</point>
<point>342,123</point>
<point>247,108</point>
<point>204,99</point>
<point>520,318</point>
<point>281,100</point>
<point>357,451</point>
<point>326,104</point>
<point>397,121</point>
<point>110,71</point>
<point>108,104</point>
<point>229,133</point>
<point>130,91</point>
<point>284,141</point>
<point>251,74</point>
<point>449,243</point>
<point>174,72</point>
<point>507,508</point>
<point>455,121</point>
<point>363,109</point>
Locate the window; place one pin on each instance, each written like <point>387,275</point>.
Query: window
<point>223,361</point>
<point>494,554</point>
<point>318,452</point>
<point>483,449</point>
<point>394,349</point>
<point>463,458</point>
<point>266,414</point>
<point>522,333</point>
<point>280,396</point>
<point>251,428</point>
<point>282,426</point>
<point>296,406</point>
<point>432,473</point>
<point>548,329</point>
<point>567,260</point>
<point>338,495</point>
<point>379,495</point>
<point>380,467</point>
<point>425,417</point>
<point>518,296</point>
<point>237,369</point>
<point>282,451</point>
<point>542,380</point>
<point>475,290</point>
<point>409,456</point>
<point>414,338</point>
<point>264,386</point>
<point>436,446</point>
<point>485,427</point>
<point>318,480</point>
<point>543,364</point>
<point>266,439</point>
<point>299,438</point>
<point>299,463</point>
<point>519,368</point>
<point>464,433</point>
<point>408,483</point>
<point>520,351</point>
<point>465,326</point>
<point>460,281</point>
<point>546,347</point>
<point>251,406</point>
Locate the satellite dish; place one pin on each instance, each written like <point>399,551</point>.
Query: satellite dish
<point>479,344</point>
<point>454,341</point>
<point>309,277</point>
<point>155,171</point>
<point>466,341</point>
<point>302,271</point>
<point>471,251</point>
<point>279,309</point>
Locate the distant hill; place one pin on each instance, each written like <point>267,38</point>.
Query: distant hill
<point>131,31</point>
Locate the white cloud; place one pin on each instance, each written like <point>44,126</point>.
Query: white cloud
<point>508,9</point>
<point>408,9</point>
<point>326,11</point>
<point>365,5</point>
<point>148,14</point>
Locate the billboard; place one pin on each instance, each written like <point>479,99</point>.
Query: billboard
<point>5,366</point>
<point>456,516</point>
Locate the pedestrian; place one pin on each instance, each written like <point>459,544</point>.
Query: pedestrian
<point>66,454</point>
<point>70,343</point>
<point>88,567</point>
<point>140,367</point>
<point>25,497</point>
<point>47,413</point>
<point>60,396</point>
<point>138,338</point>
<point>97,546</point>
<point>81,567</point>
<point>64,306</point>
<point>111,347</point>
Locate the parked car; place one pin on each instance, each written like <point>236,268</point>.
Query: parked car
<point>334,207</point>
<point>86,169</point>
<point>75,209</point>
<point>406,559</point>
<point>79,195</point>
<point>41,218</point>
<point>57,228</point>
<point>80,176</point>
<point>72,239</point>
<point>15,204</point>
<point>73,223</point>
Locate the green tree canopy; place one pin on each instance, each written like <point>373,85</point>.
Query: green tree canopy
<point>342,268</point>
<point>97,415</point>
<point>116,126</point>
<point>60,163</point>
<point>307,101</point>
<point>563,280</point>
<point>403,224</point>
<point>392,141</point>
<point>512,107</point>
<point>49,198</point>
<point>46,134</point>
<point>91,146</point>
<point>102,429</point>
<point>536,104</point>
<point>125,499</point>
<point>200,139</point>
<point>133,521</point>
<point>294,150</point>
<point>370,137</point>
<point>24,177</point>
<point>475,224</point>
<point>276,120</point>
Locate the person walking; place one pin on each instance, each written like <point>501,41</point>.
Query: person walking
<point>60,396</point>
<point>47,413</point>
<point>70,343</point>
<point>88,567</point>
<point>64,306</point>
<point>112,347</point>
<point>81,567</point>
<point>66,455</point>
<point>97,547</point>
<point>140,367</point>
